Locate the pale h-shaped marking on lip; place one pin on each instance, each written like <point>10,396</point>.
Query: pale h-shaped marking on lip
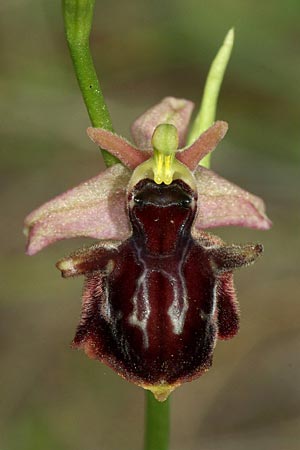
<point>141,302</point>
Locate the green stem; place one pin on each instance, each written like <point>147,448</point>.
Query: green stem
<point>78,16</point>
<point>157,423</point>
<point>207,112</point>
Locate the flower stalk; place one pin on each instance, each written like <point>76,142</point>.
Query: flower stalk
<point>78,15</point>
<point>157,423</point>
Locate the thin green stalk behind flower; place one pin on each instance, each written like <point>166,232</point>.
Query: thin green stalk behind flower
<point>207,112</point>
<point>78,16</point>
<point>157,423</point>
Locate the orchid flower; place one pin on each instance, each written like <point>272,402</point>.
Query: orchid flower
<point>159,290</point>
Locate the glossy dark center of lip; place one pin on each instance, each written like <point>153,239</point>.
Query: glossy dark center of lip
<point>175,194</point>
<point>161,216</point>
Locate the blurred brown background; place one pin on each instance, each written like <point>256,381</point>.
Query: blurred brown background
<point>56,398</point>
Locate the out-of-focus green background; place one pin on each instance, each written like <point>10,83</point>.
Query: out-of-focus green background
<point>56,398</point>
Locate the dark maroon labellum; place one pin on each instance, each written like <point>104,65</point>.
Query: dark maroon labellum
<point>154,305</point>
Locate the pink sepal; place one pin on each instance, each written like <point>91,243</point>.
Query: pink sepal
<point>221,203</point>
<point>175,111</point>
<point>95,208</point>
